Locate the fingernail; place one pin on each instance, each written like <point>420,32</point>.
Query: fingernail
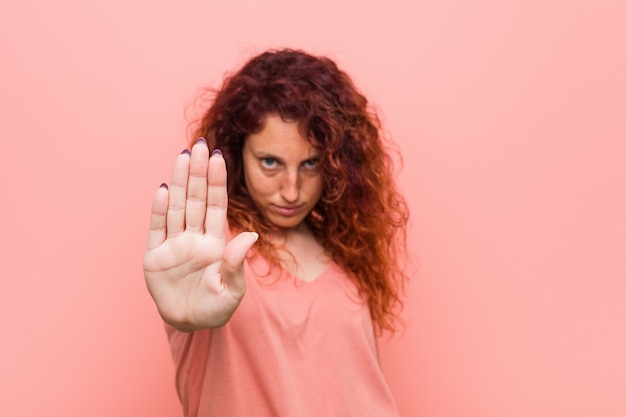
<point>256,236</point>
<point>186,151</point>
<point>164,185</point>
<point>201,140</point>
<point>216,152</point>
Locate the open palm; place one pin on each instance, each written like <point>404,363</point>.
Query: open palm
<point>194,276</point>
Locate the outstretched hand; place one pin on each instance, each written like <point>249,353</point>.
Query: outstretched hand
<point>194,276</point>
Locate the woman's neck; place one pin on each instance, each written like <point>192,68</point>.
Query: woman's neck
<point>300,253</point>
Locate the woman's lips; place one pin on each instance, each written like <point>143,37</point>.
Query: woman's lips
<point>287,211</point>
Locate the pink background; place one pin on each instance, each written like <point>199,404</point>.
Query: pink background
<point>511,119</point>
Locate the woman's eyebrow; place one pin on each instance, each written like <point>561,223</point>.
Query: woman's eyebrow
<point>265,154</point>
<point>262,154</point>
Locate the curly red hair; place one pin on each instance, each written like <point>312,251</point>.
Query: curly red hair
<point>361,217</point>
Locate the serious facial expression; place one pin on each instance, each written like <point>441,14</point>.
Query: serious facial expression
<point>282,172</point>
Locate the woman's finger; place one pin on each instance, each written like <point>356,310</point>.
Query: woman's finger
<point>157,232</point>
<point>177,195</point>
<point>197,187</point>
<point>232,262</point>
<point>217,200</point>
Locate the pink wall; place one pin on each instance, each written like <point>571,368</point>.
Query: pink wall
<point>511,117</point>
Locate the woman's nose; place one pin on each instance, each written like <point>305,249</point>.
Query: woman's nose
<point>290,187</point>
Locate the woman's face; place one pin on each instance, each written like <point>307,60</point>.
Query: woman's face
<point>282,172</point>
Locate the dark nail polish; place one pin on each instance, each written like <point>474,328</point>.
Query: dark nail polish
<point>186,151</point>
<point>201,140</point>
<point>216,152</point>
<point>164,185</point>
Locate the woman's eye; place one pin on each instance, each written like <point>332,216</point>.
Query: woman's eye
<point>268,162</point>
<point>311,163</point>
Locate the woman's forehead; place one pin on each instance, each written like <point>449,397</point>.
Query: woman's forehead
<point>280,138</point>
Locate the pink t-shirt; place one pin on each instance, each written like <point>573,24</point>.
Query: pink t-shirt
<point>293,348</point>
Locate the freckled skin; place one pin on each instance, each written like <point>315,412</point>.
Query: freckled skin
<point>282,173</point>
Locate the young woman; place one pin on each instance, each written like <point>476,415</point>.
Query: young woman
<point>296,208</point>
